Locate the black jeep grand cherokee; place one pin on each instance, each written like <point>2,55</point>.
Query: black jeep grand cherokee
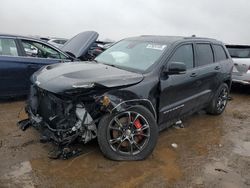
<point>129,93</point>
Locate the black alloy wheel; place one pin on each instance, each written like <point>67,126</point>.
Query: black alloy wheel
<point>129,135</point>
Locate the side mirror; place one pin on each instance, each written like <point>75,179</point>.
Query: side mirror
<point>175,68</point>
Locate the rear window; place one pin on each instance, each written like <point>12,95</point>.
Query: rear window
<point>239,52</point>
<point>220,53</point>
<point>204,54</point>
<point>59,41</point>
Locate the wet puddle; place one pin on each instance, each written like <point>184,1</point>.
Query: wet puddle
<point>92,169</point>
<point>20,175</point>
<point>243,149</point>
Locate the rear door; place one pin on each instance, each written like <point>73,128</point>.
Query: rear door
<point>179,92</point>
<point>209,72</point>
<point>12,71</point>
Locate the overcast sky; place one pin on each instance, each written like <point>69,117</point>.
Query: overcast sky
<point>226,20</point>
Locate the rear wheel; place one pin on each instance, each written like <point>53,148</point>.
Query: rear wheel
<point>219,102</point>
<point>129,135</point>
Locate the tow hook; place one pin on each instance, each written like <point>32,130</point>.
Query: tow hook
<point>24,124</point>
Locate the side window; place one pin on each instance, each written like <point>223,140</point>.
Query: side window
<point>8,47</point>
<point>220,53</point>
<point>184,54</point>
<point>204,54</point>
<point>63,41</point>
<point>40,50</point>
<point>56,41</point>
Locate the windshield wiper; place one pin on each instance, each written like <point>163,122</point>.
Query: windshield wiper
<point>112,65</point>
<point>94,60</point>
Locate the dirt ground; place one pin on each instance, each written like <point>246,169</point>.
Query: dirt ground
<point>212,151</point>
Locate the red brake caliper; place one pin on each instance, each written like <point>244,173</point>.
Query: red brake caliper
<point>138,125</point>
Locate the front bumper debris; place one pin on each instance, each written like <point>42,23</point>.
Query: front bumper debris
<point>24,124</point>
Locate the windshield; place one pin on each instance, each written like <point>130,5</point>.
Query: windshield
<point>239,52</point>
<point>128,54</point>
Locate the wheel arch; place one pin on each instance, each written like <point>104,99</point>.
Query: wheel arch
<point>228,82</point>
<point>143,102</point>
<point>118,101</point>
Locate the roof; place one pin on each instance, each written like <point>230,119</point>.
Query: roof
<point>28,37</point>
<point>56,38</point>
<point>170,39</point>
<point>17,36</point>
<point>9,35</point>
<point>237,45</point>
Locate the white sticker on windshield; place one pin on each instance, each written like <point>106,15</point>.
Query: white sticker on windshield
<point>156,46</point>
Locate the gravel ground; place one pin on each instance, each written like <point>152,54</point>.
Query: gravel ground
<point>210,151</point>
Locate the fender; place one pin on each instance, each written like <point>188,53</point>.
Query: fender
<point>114,103</point>
<point>145,102</point>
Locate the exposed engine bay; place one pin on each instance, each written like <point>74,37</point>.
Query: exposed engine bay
<point>61,120</point>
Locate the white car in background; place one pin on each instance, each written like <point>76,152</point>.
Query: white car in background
<point>57,42</point>
<point>241,57</point>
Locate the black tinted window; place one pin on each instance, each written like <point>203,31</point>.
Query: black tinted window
<point>219,53</point>
<point>184,54</point>
<point>204,54</point>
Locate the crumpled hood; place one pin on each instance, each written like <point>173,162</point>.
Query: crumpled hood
<point>61,77</point>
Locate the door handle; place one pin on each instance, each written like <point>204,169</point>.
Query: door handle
<point>217,68</point>
<point>194,74</point>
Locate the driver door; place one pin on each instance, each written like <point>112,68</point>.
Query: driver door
<point>178,92</point>
<point>37,55</point>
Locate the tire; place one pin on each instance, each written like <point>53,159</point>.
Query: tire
<point>116,146</point>
<point>219,102</point>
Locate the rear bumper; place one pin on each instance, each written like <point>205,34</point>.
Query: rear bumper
<point>243,79</point>
<point>241,82</point>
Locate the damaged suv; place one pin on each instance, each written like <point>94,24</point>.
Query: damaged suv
<point>129,93</point>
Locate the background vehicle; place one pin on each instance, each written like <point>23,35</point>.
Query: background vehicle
<point>241,58</point>
<point>131,91</point>
<point>21,56</point>
<point>57,42</point>
<point>84,46</point>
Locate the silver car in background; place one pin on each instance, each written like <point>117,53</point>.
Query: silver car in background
<point>57,42</point>
<point>241,57</point>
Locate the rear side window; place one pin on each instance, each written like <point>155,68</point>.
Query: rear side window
<point>220,53</point>
<point>8,47</point>
<point>204,54</point>
<point>185,55</point>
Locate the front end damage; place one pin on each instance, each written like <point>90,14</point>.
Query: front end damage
<point>64,119</point>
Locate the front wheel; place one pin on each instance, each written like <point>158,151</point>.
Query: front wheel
<point>128,135</point>
<point>219,102</point>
